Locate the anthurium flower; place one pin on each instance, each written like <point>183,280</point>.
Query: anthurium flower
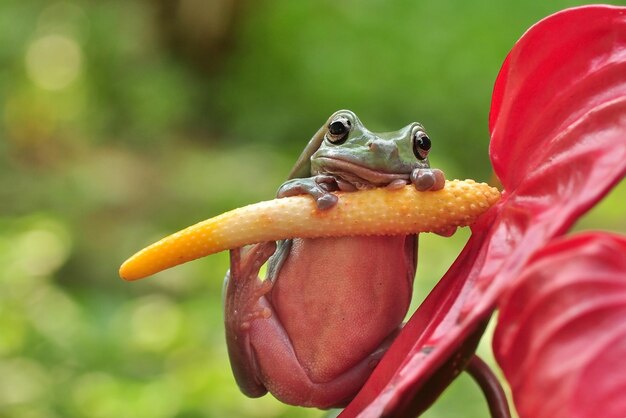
<point>558,145</point>
<point>561,335</point>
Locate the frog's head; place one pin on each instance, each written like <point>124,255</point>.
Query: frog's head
<point>367,159</point>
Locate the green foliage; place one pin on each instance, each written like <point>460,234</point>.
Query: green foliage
<point>113,135</point>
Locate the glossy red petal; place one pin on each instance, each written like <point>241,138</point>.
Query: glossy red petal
<point>550,84</point>
<point>561,334</point>
<point>558,125</point>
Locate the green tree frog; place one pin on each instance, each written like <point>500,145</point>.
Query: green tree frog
<point>314,329</point>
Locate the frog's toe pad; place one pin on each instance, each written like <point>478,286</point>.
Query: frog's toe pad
<point>428,179</point>
<point>326,201</point>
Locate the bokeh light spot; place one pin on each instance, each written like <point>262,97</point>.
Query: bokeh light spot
<point>53,62</point>
<point>13,328</point>
<point>55,315</point>
<point>23,380</point>
<point>41,251</point>
<point>160,398</point>
<point>98,395</point>
<point>155,323</point>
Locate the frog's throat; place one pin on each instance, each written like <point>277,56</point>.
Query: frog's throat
<point>360,176</point>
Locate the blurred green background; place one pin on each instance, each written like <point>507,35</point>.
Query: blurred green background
<point>123,121</point>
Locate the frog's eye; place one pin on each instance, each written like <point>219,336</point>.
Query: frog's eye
<point>338,130</point>
<point>421,144</point>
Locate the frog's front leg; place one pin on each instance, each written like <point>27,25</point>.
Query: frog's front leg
<point>243,296</point>
<point>428,179</point>
<point>318,186</point>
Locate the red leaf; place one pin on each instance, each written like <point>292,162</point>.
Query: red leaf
<point>561,335</point>
<point>558,125</point>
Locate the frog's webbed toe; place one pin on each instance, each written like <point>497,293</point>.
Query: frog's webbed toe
<point>319,187</point>
<point>326,201</point>
<point>428,179</point>
<point>243,288</point>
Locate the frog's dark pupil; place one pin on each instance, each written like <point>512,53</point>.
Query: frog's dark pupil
<point>424,142</point>
<point>338,128</point>
<point>421,145</point>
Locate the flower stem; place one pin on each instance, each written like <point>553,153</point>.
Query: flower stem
<point>490,385</point>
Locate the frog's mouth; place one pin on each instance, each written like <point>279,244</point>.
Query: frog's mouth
<point>360,176</point>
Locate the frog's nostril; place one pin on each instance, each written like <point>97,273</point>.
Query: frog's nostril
<point>383,148</point>
<point>373,146</point>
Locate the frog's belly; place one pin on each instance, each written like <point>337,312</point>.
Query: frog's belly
<point>339,298</point>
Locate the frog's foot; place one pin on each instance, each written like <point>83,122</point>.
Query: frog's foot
<point>250,309</point>
<point>244,289</point>
<point>428,179</point>
<point>319,187</point>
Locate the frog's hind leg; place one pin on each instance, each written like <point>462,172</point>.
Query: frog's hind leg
<point>242,295</point>
<point>289,381</point>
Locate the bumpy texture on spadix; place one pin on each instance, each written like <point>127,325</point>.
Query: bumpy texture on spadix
<point>371,212</point>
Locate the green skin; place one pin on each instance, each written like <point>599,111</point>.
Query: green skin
<point>362,161</point>
<point>314,329</point>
